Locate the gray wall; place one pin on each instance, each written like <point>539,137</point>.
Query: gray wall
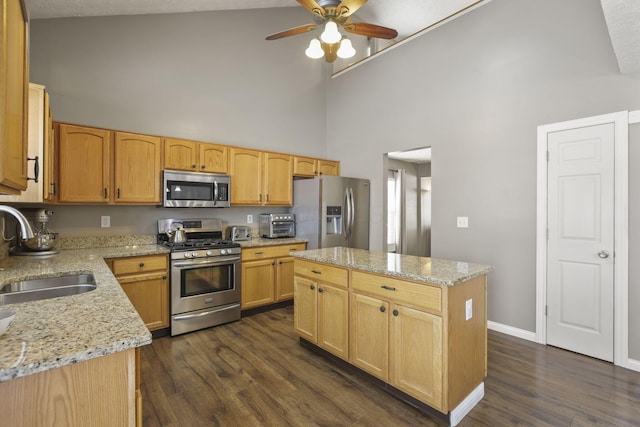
<point>475,90</point>
<point>204,76</point>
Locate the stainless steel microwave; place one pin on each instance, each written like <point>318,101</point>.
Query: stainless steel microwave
<point>195,190</point>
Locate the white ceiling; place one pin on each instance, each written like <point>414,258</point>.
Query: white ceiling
<point>406,16</point>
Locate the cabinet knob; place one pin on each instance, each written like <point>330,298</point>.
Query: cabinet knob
<point>382,309</point>
<point>193,166</point>
<point>312,287</point>
<point>202,167</point>
<point>164,277</point>
<point>320,290</point>
<point>395,312</point>
<point>141,264</point>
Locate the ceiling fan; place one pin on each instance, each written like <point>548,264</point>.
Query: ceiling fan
<point>333,14</point>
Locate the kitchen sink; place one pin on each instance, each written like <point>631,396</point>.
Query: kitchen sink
<point>48,287</point>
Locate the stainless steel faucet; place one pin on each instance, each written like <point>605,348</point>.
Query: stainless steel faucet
<point>25,228</point>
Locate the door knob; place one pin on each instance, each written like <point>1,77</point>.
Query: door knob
<point>603,254</point>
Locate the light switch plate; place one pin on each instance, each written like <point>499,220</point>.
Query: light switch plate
<point>105,221</point>
<point>468,309</point>
<point>249,219</point>
<point>463,222</point>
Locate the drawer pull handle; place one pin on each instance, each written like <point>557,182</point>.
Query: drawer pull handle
<point>389,288</point>
<point>382,309</point>
<point>316,272</point>
<point>312,287</point>
<point>141,264</point>
<point>395,312</point>
<point>259,253</point>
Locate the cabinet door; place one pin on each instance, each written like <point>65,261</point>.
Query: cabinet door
<point>258,283</point>
<point>84,164</point>
<point>137,168</point>
<point>305,166</point>
<point>328,167</point>
<point>278,179</point>
<point>370,335</point>
<point>49,191</point>
<point>284,278</point>
<point>14,84</point>
<point>416,359</point>
<point>214,158</point>
<point>149,294</point>
<point>305,308</point>
<point>180,154</point>
<point>333,320</point>
<point>246,176</point>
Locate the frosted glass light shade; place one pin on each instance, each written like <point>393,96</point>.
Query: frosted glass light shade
<point>314,50</point>
<point>330,34</point>
<point>346,49</point>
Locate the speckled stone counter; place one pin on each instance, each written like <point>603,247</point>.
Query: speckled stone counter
<point>55,332</point>
<point>254,243</point>
<point>428,270</point>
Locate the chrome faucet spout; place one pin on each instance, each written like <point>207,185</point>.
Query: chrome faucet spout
<point>25,228</point>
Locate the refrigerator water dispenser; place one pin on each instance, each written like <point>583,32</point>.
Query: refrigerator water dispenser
<point>334,219</point>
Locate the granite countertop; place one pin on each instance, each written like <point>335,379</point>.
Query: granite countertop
<point>421,269</point>
<point>55,332</point>
<point>257,242</point>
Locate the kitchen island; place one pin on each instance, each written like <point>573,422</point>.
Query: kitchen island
<point>72,358</point>
<point>417,326</point>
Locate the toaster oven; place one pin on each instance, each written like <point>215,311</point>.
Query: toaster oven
<point>274,226</point>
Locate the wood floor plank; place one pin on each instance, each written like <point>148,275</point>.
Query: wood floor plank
<point>254,372</point>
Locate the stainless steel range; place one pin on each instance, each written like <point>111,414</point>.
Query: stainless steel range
<point>205,273</point>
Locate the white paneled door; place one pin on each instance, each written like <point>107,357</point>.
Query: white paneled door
<point>580,246</point>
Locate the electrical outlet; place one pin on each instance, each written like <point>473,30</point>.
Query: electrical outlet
<point>468,309</point>
<point>463,222</point>
<point>105,221</point>
<point>249,219</point>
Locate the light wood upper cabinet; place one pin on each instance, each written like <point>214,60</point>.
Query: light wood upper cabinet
<point>328,167</point>
<point>14,86</point>
<point>278,179</point>
<point>310,167</point>
<point>137,168</point>
<point>84,164</point>
<point>305,166</point>
<point>214,158</point>
<point>245,167</point>
<point>181,154</point>
<point>49,185</point>
<point>40,164</point>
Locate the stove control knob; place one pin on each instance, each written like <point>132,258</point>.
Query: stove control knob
<point>209,253</point>
<point>186,254</point>
<point>223,251</point>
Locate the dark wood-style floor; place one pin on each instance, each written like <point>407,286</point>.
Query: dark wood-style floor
<point>255,373</point>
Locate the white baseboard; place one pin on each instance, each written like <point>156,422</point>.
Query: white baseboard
<point>510,330</point>
<point>466,405</point>
<point>634,365</point>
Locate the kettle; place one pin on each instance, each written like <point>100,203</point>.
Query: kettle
<point>177,234</point>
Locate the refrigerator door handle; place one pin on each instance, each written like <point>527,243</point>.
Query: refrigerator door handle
<point>345,215</point>
<point>352,212</point>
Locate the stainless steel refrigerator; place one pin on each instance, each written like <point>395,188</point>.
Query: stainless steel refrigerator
<point>332,211</point>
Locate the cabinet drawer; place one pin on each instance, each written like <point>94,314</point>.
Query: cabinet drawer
<point>139,264</point>
<point>394,290</point>
<point>322,272</point>
<point>249,254</point>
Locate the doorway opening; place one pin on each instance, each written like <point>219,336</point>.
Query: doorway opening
<point>407,202</point>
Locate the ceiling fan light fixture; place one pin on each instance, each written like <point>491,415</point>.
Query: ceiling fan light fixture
<point>330,34</point>
<point>314,50</point>
<point>346,49</point>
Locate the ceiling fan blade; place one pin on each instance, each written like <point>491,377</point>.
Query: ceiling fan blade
<point>347,7</point>
<point>313,7</point>
<point>370,30</point>
<point>292,31</point>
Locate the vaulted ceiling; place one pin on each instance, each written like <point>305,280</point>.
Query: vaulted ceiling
<point>406,16</point>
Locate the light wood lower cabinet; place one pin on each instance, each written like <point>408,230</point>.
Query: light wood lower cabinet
<point>321,306</point>
<point>145,281</point>
<point>414,336</point>
<point>267,274</point>
<point>96,392</point>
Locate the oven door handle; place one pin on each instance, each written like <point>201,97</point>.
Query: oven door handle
<point>218,261</point>
<point>204,313</point>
